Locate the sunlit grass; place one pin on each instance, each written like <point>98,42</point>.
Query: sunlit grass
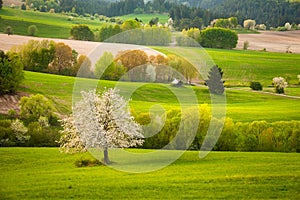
<point>31,173</point>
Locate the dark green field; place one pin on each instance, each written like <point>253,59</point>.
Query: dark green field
<point>44,173</point>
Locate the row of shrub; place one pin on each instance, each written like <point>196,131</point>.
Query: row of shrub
<point>35,125</point>
<point>133,33</point>
<point>280,136</point>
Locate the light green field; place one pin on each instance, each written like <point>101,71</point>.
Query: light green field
<point>242,104</point>
<point>163,18</point>
<point>50,25</point>
<point>44,173</point>
<point>241,67</point>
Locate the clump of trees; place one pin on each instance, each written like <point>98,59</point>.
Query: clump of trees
<point>229,23</point>
<point>133,33</point>
<point>35,125</point>
<point>11,72</point>
<point>281,136</point>
<point>82,32</point>
<point>136,65</point>
<point>211,37</point>
<point>50,57</point>
<point>218,38</point>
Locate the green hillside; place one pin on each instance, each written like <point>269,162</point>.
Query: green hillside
<point>50,25</point>
<point>242,104</point>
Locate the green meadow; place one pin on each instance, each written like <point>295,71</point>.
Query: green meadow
<point>145,18</point>
<point>45,173</point>
<point>50,25</point>
<point>242,103</point>
<point>53,25</point>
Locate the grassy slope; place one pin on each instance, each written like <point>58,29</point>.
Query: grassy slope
<point>49,25</point>
<point>30,173</point>
<point>241,105</point>
<point>56,25</point>
<point>163,18</point>
<point>240,67</point>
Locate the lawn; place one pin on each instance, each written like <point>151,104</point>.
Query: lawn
<point>44,173</point>
<point>242,105</point>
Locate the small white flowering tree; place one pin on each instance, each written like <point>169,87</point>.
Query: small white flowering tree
<point>279,83</point>
<point>298,78</point>
<point>20,131</point>
<point>101,121</point>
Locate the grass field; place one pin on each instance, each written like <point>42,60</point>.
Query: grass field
<point>52,25</point>
<point>49,25</point>
<point>240,67</point>
<point>44,173</point>
<point>242,104</point>
<point>163,18</point>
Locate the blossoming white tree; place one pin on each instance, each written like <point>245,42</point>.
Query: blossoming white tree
<point>101,121</point>
<point>279,83</point>
<point>298,76</point>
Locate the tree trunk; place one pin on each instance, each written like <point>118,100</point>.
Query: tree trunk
<point>106,159</point>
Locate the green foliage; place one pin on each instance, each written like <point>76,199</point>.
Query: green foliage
<point>246,45</point>
<point>219,38</point>
<point>82,32</point>
<point>32,30</point>
<point>36,106</point>
<point>130,24</point>
<point>6,133</point>
<point>107,32</point>
<point>9,30</point>
<point>256,85</point>
<point>11,72</point>
<point>1,3</point>
<point>64,59</point>
<point>104,62</point>
<point>42,136</point>
<point>36,55</point>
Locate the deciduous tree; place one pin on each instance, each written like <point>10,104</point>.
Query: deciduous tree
<point>103,122</point>
<point>11,72</point>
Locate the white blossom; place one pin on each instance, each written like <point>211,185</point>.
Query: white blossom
<point>288,26</point>
<point>70,141</point>
<point>20,131</point>
<point>102,121</point>
<point>279,84</point>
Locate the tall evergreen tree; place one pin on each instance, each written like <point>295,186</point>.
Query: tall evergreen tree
<point>215,82</point>
<point>1,3</point>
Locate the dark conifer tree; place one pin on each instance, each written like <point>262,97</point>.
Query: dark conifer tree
<point>215,82</point>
